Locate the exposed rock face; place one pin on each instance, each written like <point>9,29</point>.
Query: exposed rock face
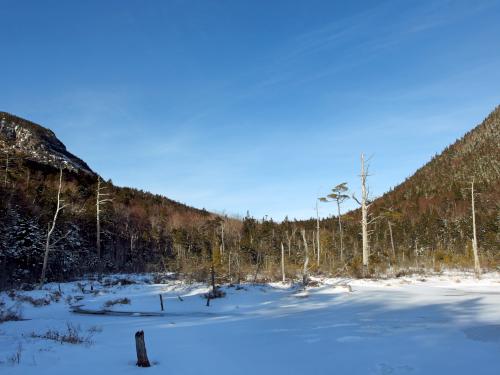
<point>37,143</point>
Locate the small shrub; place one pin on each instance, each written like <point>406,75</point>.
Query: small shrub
<point>11,314</point>
<point>119,301</point>
<point>55,296</point>
<point>36,302</point>
<point>215,294</point>
<point>72,335</point>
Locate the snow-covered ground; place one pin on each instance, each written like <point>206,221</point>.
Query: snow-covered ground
<point>439,325</point>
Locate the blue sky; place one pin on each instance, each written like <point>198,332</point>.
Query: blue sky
<point>251,105</point>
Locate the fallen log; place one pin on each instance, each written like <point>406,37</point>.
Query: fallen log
<point>80,310</point>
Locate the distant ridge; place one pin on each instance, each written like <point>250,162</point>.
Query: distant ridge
<point>39,144</point>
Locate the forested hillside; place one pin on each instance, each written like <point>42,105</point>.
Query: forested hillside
<point>138,229</point>
<point>424,222</point>
<point>430,213</point>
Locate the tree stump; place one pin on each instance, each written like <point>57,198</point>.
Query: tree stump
<point>140,347</point>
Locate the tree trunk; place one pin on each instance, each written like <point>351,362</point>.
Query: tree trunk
<point>98,221</point>
<point>140,347</point>
<point>214,290</point>
<point>317,234</point>
<point>341,234</point>
<point>51,230</point>
<point>282,262</point>
<point>364,214</point>
<point>477,266</point>
<point>392,240</point>
<point>305,277</point>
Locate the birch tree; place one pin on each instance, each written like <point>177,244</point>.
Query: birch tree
<point>477,266</point>
<point>391,216</point>
<point>305,276</point>
<point>59,207</point>
<point>338,196</point>
<point>282,263</point>
<point>317,234</point>
<point>222,244</point>
<point>101,199</point>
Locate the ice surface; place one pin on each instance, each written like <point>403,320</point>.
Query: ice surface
<point>448,324</point>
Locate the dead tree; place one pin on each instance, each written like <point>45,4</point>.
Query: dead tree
<point>477,266</point>
<point>305,276</point>
<point>282,262</point>
<point>365,205</point>
<point>317,233</point>
<point>100,201</point>
<point>222,244</point>
<point>364,213</point>
<point>140,348</point>
<point>51,228</point>
<point>391,215</point>
<point>289,243</point>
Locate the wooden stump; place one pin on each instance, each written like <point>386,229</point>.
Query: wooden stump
<point>140,347</point>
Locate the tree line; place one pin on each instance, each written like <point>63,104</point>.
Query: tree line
<point>57,224</point>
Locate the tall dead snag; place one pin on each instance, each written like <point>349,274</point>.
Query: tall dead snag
<point>305,276</point>
<point>59,207</point>
<point>391,216</point>
<point>222,244</point>
<point>140,348</point>
<point>317,234</point>
<point>282,262</point>
<point>365,205</point>
<point>100,201</point>
<point>364,213</point>
<point>477,266</point>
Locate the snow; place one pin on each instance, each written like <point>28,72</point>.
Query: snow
<point>444,324</point>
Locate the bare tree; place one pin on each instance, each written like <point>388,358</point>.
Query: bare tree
<point>477,266</point>
<point>390,215</point>
<point>365,205</point>
<point>305,276</point>
<point>222,244</point>
<point>59,207</point>
<point>317,233</point>
<point>338,195</point>
<point>282,262</point>
<point>101,199</point>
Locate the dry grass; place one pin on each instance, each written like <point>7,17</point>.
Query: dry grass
<point>72,335</point>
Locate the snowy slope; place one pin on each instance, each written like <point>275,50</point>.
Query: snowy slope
<point>442,325</point>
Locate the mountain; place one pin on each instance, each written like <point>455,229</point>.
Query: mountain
<point>447,177</point>
<point>138,229</point>
<point>425,222</point>
<point>36,143</point>
<point>430,212</point>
